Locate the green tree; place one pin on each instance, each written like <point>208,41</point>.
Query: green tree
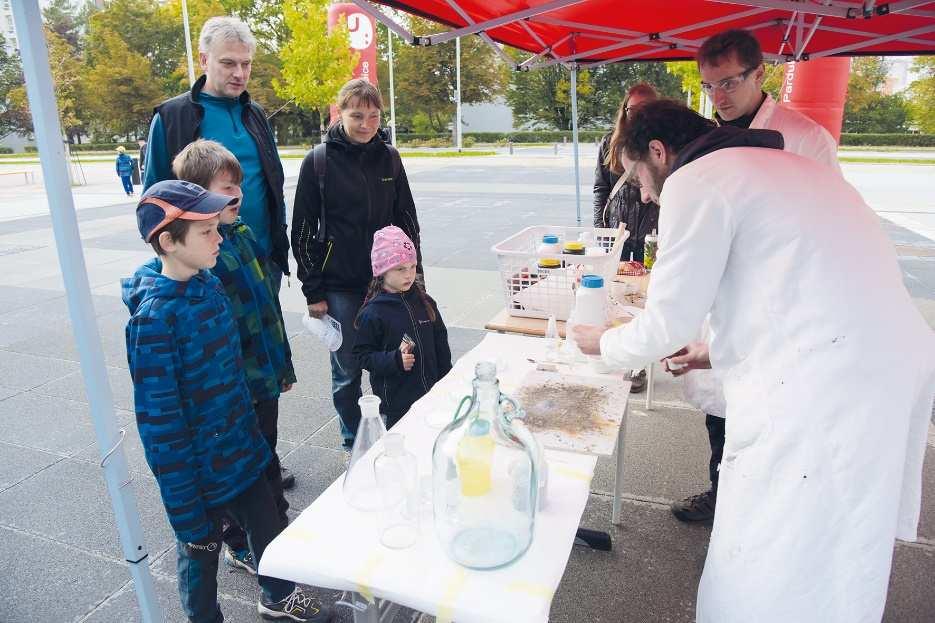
<point>66,70</point>
<point>426,80</point>
<point>14,116</point>
<point>690,79</point>
<point>123,89</point>
<point>867,108</point>
<point>922,94</point>
<point>612,81</point>
<point>542,97</point>
<point>61,17</point>
<point>265,18</point>
<point>315,63</point>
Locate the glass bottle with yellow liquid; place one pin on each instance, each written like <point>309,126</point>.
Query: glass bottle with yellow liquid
<point>481,463</point>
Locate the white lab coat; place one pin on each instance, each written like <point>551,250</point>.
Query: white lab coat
<point>802,136</point>
<point>829,380</point>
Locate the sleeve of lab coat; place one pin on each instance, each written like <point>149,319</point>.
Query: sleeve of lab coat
<point>696,230</point>
<point>823,148</point>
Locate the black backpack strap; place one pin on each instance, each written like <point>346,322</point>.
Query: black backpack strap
<point>320,161</point>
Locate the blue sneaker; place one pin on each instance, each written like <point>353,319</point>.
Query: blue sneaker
<point>240,560</point>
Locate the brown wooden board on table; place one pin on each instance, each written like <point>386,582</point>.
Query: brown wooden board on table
<point>574,413</point>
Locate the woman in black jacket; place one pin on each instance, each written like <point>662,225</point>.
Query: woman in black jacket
<point>358,187</point>
<point>614,202</point>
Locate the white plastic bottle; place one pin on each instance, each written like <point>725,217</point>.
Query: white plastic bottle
<point>591,301</point>
<point>549,246</point>
<point>326,329</point>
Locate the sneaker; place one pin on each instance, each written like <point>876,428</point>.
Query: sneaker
<point>288,478</point>
<point>696,508</point>
<point>638,382</point>
<point>240,560</point>
<point>299,606</point>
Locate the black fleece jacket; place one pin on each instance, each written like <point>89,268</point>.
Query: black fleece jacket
<point>362,195</point>
<point>383,321</point>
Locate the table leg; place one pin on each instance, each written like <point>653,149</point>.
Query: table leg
<point>621,451</point>
<point>650,385</point>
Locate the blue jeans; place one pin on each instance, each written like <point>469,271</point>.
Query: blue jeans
<point>127,183</point>
<point>345,367</point>
<point>198,568</point>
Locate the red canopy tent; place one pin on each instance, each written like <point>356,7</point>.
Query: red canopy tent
<point>593,32</point>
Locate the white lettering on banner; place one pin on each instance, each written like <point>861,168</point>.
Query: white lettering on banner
<point>787,82</point>
<point>365,70</point>
<point>360,30</point>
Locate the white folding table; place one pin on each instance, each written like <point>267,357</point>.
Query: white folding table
<point>333,545</point>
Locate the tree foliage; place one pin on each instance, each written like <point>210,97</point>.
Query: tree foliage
<point>124,92</point>
<point>922,94</point>
<point>14,117</point>
<point>315,63</point>
<point>426,80</point>
<point>867,108</point>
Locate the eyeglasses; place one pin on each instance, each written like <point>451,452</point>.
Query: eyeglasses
<point>727,85</point>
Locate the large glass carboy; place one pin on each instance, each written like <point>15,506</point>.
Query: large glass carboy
<point>485,479</point>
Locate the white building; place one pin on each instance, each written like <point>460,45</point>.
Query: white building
<point>6,26</point>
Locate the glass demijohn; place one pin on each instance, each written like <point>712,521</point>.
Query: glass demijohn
<point>398,480</point>
<point>485,471</point>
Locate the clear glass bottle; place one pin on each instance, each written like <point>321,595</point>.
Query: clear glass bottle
<point>398,480</point>
<point>485,479</point>
<point>360,484</point>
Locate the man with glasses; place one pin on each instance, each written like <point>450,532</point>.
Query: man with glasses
<point>732,73</point>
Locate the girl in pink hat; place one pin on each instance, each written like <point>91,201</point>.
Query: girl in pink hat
<point>401,338</point>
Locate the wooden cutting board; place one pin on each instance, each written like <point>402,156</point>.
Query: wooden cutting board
<point>574,413</point>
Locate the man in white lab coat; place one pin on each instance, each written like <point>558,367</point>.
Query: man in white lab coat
<point>829,370</point>
<point>732,74</point>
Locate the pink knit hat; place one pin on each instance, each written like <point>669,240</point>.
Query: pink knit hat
<point>391,247</point>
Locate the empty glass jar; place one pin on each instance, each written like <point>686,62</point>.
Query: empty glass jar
<point>398,480</point>
<point>485,479</point>
<point>360,484</point>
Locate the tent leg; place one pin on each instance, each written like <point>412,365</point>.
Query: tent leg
<point>48,133</point>
<point>574,138</point>
<point>458,93</point>
<point>389,43</point>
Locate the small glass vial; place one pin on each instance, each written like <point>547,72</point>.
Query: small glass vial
<point>650,247</point>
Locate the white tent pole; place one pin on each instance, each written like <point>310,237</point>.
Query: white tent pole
<point>574,138</point>
<point>458,93</point>
<point>188,44</point>
<point>389,41</point>
<point>48,133</point>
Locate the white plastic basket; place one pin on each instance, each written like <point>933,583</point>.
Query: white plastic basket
<point>534,292</point>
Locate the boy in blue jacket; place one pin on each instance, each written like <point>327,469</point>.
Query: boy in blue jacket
<point>193,406</point>
<point>243,269</point>
<point>125,170</point>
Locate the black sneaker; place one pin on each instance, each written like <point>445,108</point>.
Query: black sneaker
<point>696,508</point>
<point>638,382</point>
<point>288,479</point>
<point>240,560</point>
<point>298,606</point>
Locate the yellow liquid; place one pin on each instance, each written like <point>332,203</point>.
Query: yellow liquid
<point>474,464</point>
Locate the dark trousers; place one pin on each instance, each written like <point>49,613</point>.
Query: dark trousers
<point>715,426</point>
<point>198,568</point>
<point>267,413</point>
<point>127,183</point>
<point>345,367</point>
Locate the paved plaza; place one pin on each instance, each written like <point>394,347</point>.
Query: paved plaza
<point>58,541</point>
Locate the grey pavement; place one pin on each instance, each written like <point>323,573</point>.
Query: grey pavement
<point>58,542</point>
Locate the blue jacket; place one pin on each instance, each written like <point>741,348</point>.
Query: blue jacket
<point>383,321</point>
<point>193,409</point>
<point>124,165</point>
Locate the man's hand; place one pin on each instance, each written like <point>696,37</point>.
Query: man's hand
<point>692,357</point>
<point>318,310</point>
<point>284,387</point>
<point>409,359</point>
<point>588,338</point>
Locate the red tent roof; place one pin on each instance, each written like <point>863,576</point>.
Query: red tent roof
<point>596,31</point>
